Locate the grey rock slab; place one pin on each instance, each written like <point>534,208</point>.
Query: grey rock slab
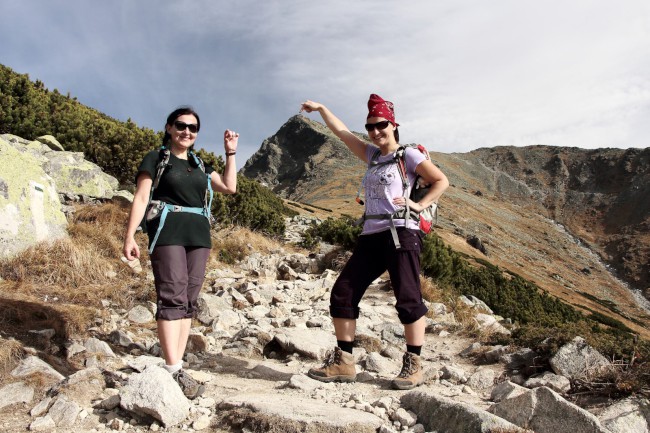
<point>64,412</point>
<point>30,209</point>
<point>44,423</point>
<point>576,359</point>
<point>155,393</point>
<point>550,380</point>
<point>140,363</point>
<point>376,363</point>
<point>483,378</point>
<point>41,407</point>
<point>17,392</point>
<point>545,411</point>
<point>631,415</point>
<point>50,142</point>
<point>312,343</point>
<point>297,414</point>
<point>303,383</point>
<point>94,345</point>
<point>453,374</point>
<point>506,390</point>
<point>140,314</point>
<point>442,414</point>
<point>33,364</point>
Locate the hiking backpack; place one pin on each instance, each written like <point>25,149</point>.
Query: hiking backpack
<point>428,216</point>
<point>160,209</point>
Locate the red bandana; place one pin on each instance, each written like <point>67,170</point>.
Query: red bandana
<point>378,107</point>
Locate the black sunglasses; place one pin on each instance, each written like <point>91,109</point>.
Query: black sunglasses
<point>379,125</point>
<point>180,126</point>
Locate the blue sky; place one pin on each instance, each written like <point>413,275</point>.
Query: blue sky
<point>463,74</point>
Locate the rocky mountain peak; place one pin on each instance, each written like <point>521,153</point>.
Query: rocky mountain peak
<point>298,158</point>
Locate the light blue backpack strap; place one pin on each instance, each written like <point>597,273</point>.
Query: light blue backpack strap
<point>209,202</point>
<point>163,217</point>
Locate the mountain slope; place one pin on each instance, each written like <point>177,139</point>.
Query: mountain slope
<point>564,218</point>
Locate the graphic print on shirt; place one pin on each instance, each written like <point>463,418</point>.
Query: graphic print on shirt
<point>378,187</point>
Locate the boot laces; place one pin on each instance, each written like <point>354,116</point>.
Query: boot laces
<point>333,357</point>
<point>408,367</point>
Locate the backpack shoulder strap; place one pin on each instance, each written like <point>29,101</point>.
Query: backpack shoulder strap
<point>198,161</point>
<point>400,159</point>
<point>209,193</point>
<point>163,162</point>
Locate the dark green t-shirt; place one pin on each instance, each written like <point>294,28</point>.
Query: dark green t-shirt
<point>182,184</point>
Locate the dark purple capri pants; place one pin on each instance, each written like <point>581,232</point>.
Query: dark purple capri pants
<point>178,274</point>
<point>374,254</point>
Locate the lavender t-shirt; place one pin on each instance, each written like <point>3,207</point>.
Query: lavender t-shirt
<point>382,183</point>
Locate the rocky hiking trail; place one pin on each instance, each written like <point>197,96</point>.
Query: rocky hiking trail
<point>262,324</point>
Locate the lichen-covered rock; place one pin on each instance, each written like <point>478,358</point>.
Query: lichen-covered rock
<point>30,210</point>
<point>74,175</point>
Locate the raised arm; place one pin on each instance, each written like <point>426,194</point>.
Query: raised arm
<point>356,145</point>
<point>227,182</point>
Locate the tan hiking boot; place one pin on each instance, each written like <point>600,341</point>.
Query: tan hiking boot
<point>338,366</point>
<point>411,374</point>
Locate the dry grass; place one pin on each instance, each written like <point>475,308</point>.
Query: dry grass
<point>463,314</point>
<point>82,269</point>
<point>60,285</point>
<point>11,351</point>
<point>432,292</point>
<point>65,262</point>
<point>20,312</point>
<point>230,245</point>
<point>620,379</point>
<point>88,257</point>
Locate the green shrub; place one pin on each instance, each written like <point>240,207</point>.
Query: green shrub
<point>337,231</point>
<point>507,294</point>
<point>253,206</point>
<point>611,342</point>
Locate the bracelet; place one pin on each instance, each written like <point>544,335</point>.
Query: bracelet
<point>230,153</point>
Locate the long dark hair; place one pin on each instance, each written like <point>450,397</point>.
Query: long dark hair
<point>180,111</point>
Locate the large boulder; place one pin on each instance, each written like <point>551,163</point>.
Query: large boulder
<point>76,176</point>
<point>578,359</point>
<point>33,175</point>
<point>155,393</point>
<point>545,411</point>
<point>30,210</point>
<point>446,415</point>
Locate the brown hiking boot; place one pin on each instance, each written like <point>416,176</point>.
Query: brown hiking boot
<point>338,366</point>
<point>411,374</point>
<point>190,387</point>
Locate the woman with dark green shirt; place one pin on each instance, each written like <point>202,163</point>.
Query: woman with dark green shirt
<point>182,245</point>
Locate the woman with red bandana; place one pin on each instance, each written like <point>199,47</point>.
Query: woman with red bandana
<point>376,250</point>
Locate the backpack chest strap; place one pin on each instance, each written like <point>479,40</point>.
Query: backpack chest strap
<point>167,208</point>
<point>392,216</point>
